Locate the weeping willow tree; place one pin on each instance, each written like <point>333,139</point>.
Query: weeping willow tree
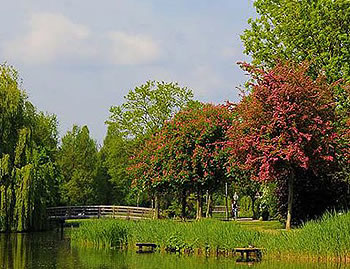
<point>28,145</point>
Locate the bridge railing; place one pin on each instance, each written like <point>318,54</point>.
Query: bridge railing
<point>99,211</point>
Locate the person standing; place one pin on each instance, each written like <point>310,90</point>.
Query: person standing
<point>234,209</point>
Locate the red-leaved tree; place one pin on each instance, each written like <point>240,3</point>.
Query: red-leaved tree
<point>286,123</point>
<point>186,155</point>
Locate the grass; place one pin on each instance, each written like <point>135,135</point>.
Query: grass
<point>263,226</point>
<point>179,236</point>
<point>327,238</point>
<point>100,234</point>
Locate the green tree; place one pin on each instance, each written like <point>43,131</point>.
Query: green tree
<point>297,30</point>
<point>145,110</point>
<point>147,107</point>
<point>103,187</point>
<point>78,159</point>
<point>28,146</point>
<point>116,151</point>
<point>245,186</point>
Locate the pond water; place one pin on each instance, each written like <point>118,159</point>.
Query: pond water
<point>51,250</point>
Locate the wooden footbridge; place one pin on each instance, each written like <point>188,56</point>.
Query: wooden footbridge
<point>63,213</point>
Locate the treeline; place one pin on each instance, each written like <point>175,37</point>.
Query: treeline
<point>98,175</point>
<point>285,145</point>
<point>287,130</point>
<point>37,170</point>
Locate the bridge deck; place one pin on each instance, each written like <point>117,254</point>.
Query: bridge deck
<point>99,211</point>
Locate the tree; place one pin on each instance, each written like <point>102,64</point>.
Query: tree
<point>185,155</point>
<point>303,30</point>
<point>78,163</point>
<point>116,152</point>
<point>103,187</point>
<point>147,107</point>
<point>245,186</point>
<point>287,126</point>
<point>299,30</point>
<point>28,146</point>
<point>144,111</point>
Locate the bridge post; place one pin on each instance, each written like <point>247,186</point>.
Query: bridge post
<point>61,226</point>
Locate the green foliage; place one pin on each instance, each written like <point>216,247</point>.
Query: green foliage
<point>268,201</point>
<point>245,207</point>
<point>116,152</point>
<point>327,238</point>
<point>103,187</point>
<point>180,236</point>
<point>147,107</point>
<point>78,161</point>
<point>299,30</point>
<point>100,233</point>
<point>145,110</point>
<point>303,30</point>
<point>28,144</point>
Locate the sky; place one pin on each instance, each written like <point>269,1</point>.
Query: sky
<point>77,58</point>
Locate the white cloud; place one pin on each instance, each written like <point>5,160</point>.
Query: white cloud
<point>50,36</point>
<point>132,48</point>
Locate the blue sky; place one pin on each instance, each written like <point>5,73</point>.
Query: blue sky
<point>77,58</point>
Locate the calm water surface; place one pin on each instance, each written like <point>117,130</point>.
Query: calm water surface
<point>50,250</point>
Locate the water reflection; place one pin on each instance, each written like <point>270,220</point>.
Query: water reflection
<point>49,250</point>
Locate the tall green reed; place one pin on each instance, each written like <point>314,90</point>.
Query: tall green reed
<point>100,233</point>
<point>326,237</point>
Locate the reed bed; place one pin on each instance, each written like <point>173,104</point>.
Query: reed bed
<point>211,235</point>
<point>100,234</point>
<point>327,238</point>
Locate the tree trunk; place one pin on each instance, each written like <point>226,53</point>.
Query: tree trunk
<point>290,200</point>
<point>253,207</point>
<point>208,213</point>
<point>226,202</point>
<point>183,204</point>
<point>156,207</point>
<point>199,205</point>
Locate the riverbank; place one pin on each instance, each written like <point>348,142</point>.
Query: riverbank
<point>48,250</point>
<point>326,239</point>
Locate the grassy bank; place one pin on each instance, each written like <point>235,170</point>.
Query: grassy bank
<point>206,234</point>
<point>327,238</point>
